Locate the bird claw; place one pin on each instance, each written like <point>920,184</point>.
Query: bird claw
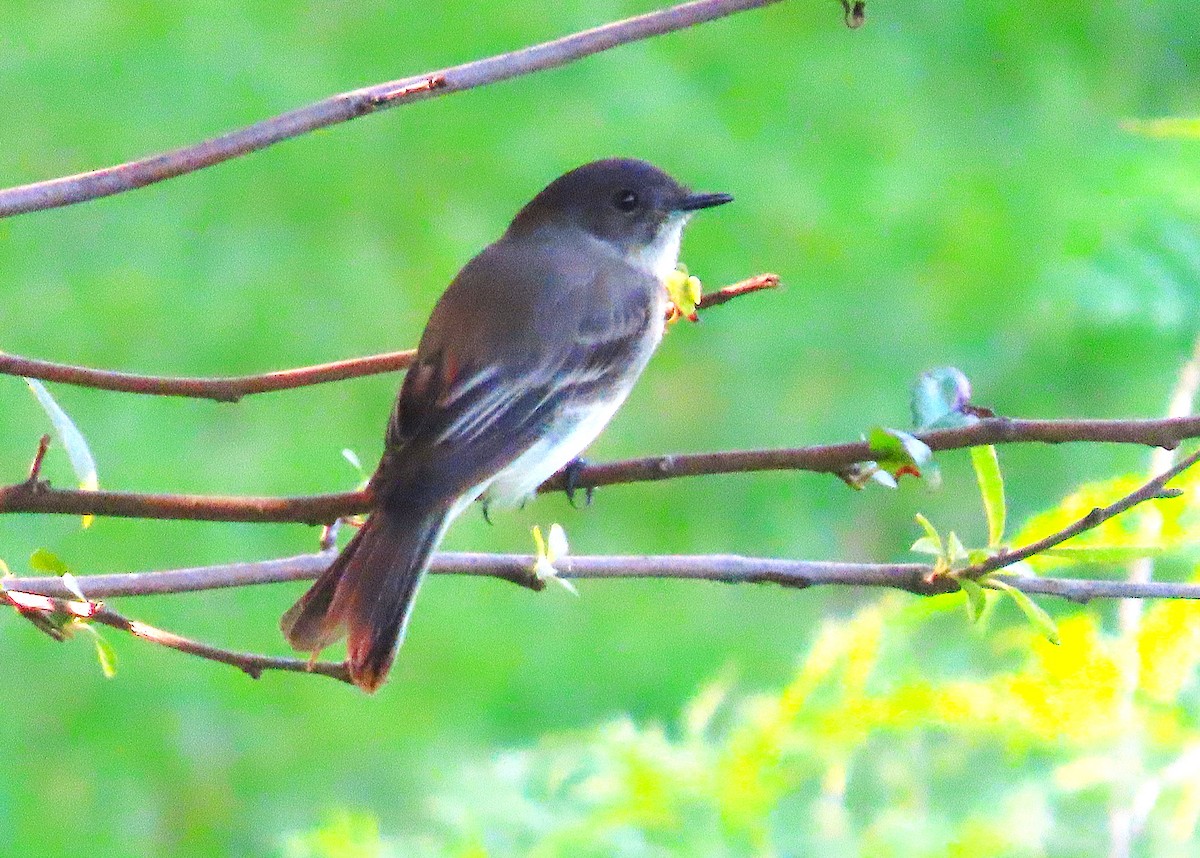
<point>571,482</point>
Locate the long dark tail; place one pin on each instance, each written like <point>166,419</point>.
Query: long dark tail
<point>367,592</point>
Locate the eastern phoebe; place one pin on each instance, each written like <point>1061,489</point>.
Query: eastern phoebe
<point>526,357</point>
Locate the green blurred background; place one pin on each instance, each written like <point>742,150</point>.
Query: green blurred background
<point>948,185</point>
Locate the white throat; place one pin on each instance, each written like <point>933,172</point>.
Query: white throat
<point>661,256</point>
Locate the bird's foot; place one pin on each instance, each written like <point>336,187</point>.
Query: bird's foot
<point>571,474</point>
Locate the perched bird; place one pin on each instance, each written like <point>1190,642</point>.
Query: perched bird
<point>528,354</point>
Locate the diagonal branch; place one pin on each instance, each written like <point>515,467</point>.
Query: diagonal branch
<point>1153,489</point>
<point>233,388</point>
<point>64,191</point>
<point>226,389</point>
<point>33,496</point>
<point>96,612</point>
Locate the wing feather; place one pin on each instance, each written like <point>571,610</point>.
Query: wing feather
<point>503,358</point>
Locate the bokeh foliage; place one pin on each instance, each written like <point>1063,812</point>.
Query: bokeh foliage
<point>948,185</point>
<point>855,755</point>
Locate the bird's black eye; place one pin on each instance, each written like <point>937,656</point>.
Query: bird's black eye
<point>626,201</point>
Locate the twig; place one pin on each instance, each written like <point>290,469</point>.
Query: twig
<point>233,388</point>
<point>1154,489</point>
<point>250,663</point>
<point>329,535</point>
<point>728,293</point>
<point>350,105</point>
<point>35,467</point>
<point>39,497</point>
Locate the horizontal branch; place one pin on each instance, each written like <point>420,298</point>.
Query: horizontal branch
<point>518,568</point>
<point>53,193</point>
<point>302,567</point>
<point>39,497</point>
<point>835,458</point>
<point>233,388</point>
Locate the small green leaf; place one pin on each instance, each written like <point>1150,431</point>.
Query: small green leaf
<point>931,534</point>
<point>42,560</point>
<point>1034,612</point>
<point>939,399</point>
<point>927,545</point>
<point>105,654</point>
<point>556,543</point>
<point>897,452</point>
<point>893,445</point>
<point>549,551</point>
<point>976,598</point>
<point>991,489</point>
<point>72,440</point>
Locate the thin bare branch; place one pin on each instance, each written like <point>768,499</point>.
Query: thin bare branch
<point>53,193</point>
<point>39,497</point>
<point>35,467</point>
<point>1154,489</point>
<point>96,612</point>
<point>303,567</point>
<point>227,389</point>
<point>233,388</point>
<point>518,568</point>
<point>745,287</point>
<point>833,458</point>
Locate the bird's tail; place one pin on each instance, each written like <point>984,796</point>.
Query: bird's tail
<point>367,592</point>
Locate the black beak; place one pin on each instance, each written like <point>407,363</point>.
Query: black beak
<point>694,202</point>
